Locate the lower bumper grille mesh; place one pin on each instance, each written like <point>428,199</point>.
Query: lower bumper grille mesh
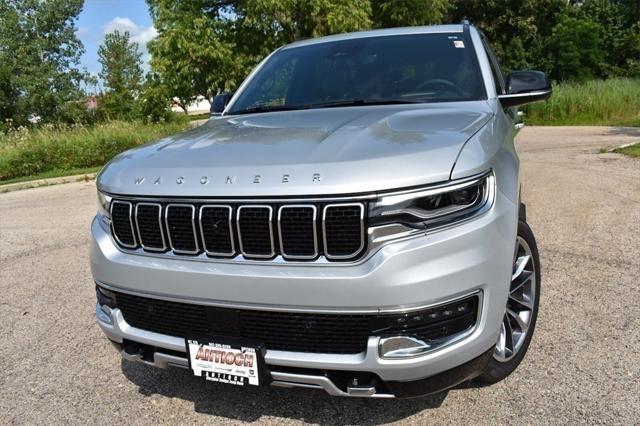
<point>290,331</point>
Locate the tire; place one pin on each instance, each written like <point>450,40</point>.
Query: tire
<point>505,359</point>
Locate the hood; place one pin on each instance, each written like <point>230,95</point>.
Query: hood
<point>310,152</point>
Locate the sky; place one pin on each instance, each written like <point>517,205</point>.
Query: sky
<point>99,17</point>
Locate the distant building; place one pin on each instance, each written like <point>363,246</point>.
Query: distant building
<point>91,103</point>
<point>200,106</point>
<point>34,119</point>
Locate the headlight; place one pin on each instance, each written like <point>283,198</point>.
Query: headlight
<point>104,205</point>
<point>437,206</point>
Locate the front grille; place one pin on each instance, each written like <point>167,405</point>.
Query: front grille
<point>181,226</point>
<point>291,331</point>
<point>342,231</point>
<point>298,239</point>
<point>121,223</point>
<point>255,231</point>
<point>149,223</point>
<point>293,231</point>
<point>217,233</point>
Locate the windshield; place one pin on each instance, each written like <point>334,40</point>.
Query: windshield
<point>372,70</point>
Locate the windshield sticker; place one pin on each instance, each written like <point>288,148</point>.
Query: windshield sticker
<point>459,44</point>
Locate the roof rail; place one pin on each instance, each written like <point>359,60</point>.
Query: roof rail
<point>466,33</point>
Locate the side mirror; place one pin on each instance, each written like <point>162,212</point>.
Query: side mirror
<point>220,103</point>
<point>524,87</point>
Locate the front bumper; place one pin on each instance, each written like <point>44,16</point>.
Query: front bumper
<point>419,271</point>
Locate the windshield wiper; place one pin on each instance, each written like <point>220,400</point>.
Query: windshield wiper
<point>266,108</point>
<point>361,102</point>
<point>334,104</point>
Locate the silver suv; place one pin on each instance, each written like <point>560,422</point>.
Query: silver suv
<point>349,220</point>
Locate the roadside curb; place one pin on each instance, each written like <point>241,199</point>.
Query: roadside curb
<point>46,182</point>
<point>621,146</point>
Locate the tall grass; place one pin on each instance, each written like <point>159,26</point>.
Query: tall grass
<point>614,102</point>
<point>27,152</point>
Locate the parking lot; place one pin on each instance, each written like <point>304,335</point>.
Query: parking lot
<point>583,364</point>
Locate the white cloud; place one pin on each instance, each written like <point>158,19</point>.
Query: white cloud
<point>139,34</point>
<point>81,31</point>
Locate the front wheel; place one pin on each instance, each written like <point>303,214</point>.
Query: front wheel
<point>521,311</point>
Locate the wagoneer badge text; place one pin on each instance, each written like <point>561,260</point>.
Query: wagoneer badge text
<point>204,180</point>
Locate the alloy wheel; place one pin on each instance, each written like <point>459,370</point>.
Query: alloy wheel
<point>520,304</point>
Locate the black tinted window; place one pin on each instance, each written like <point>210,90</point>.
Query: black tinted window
<point>421,67</point>
<point>496,71</point>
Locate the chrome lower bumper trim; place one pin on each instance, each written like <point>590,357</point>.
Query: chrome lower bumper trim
<point>279,379</point>
<point>291,380</point>
<point>160,360</point>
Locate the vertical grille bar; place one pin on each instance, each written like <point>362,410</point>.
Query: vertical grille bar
<point>216,230</point>
<point>148,218</point>
<point>343,230</point>
<point>122,223</point>
<point>255,231</point>
<point>181,228</point>
<point>297,231</point>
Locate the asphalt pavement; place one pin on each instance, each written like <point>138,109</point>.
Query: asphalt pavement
<point>583,365</point>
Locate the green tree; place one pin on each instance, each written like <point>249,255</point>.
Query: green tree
<point>8,94</point>
<point>153,103</point>
<point>575,47</point>
<point>404,13</point>
<point>291,20</point>
<point>620,21</point>
<point>40,54</point>
<point>121,72</point>
<point>193,53</point>
<point>207,46</point>
<point>517,29</point>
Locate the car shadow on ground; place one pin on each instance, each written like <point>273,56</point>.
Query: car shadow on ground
<point>251,403</point>
<point>624,131</point>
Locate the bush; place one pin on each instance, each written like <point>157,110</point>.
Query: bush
<point>597,102</point>
<point>26,152</point>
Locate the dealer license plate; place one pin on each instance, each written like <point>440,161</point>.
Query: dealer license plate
<point>220,362</point>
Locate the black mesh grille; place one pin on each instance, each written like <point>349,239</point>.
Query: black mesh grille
<point>180,224</point>
<point>343,230</point>
<point>306,332</point>
<point>216,231</point>
<point>290,331</point>
<point>174,319</point>
<point>255,232</point>
<point>121,222</point>
<point>277,330</point>
<point>298,231</point>
<point>149,224</point>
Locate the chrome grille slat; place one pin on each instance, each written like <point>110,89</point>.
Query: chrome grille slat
<point>253,227</point>
<point>340,228</point>
<point>214,235</point>
<point>180,239</point>
<point>122,223</point>
<point>150,234</point>
<point>297,231</point>
<point>240,230</point>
